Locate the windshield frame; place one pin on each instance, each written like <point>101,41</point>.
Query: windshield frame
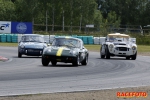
<point>120,39</point>
<point>29,38</point>
<point>117,38</point>
<point>69,42</point>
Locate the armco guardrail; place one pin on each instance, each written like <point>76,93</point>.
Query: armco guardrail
<point>11,38</point>
<point>14,38</point>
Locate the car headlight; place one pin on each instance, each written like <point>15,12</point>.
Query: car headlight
<point>111,46</point>
<point>72,52</point>
<point>22,46</point>
<point>82,54</point>
<point>46,50</point>
<point>49,50</point>
<point>133,48</point>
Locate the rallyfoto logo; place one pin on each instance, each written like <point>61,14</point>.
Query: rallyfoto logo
<point>21,27</point>
<point>4,26</point>
<point>131,94</point>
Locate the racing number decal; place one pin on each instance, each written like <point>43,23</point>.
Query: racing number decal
<point>59,52</point>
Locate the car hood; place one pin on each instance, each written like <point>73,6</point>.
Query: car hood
<point>33,44</point>
<point>64,48</point>
<point>124,44</point>
<point>120,43</point>
<point>53,50</point>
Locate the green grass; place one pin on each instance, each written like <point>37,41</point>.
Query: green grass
<point>9,44</point>
<point>93,47</point>
<point>141,48</point>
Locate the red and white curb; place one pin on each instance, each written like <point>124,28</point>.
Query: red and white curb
<point>3,58</point>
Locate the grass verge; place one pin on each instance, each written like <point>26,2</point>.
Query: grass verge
<point>9,44</point>
<point>96,48</point>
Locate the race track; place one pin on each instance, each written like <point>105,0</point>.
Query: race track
<point>26,75</point>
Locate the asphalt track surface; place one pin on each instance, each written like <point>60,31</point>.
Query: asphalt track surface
<point>26,75</point>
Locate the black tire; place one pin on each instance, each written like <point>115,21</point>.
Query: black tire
<point>76,62</point>
<point>102,56</point>
<point>85,61</point>
<point>107,53</point>
<point>53,63</point>
<point>19,55</point>
<point>134,56</point>
<point>45,61</point>
<point>128,57</point>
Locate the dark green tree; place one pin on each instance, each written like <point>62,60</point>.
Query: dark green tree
<point>7,10</point>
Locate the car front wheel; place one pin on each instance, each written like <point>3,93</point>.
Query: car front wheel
<point>85,61</point>
<point>76,62</point>
<point>45,61</point>
<point>19,55</point>
<point>107,53</point>
<point>134,56</point>
<point>102,56</point>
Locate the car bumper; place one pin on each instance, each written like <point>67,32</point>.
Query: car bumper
<point>31,52</point>
<point>66,59</point>
<point>127,52</point>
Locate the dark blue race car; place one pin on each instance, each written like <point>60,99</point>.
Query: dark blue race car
<point>31,45</point>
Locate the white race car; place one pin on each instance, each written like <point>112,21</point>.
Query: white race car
<point>117,44</point>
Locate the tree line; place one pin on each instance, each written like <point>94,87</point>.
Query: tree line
<point>100,13</point>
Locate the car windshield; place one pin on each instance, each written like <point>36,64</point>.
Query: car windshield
<point>120,39</point>
<point>66,42</point>
<point>32,39</point>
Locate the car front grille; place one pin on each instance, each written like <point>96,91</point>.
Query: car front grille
<point>60,58</point>
<point>121,44</point>
<point>122,49</point>
<point>33,50</point>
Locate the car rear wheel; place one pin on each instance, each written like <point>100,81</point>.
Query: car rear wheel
<point>19,55</point>
<point>54,63</point>
<point>85,61</point>
<point>107,53</point>
<point>45,61</point>
<point>134,56</point>
<point>76,62</point>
